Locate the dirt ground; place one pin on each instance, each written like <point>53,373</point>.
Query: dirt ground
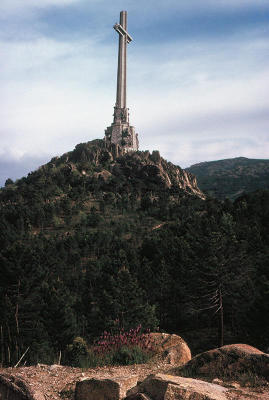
<point>57,382</point>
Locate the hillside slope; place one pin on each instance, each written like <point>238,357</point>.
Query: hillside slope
<point>93,161</point>
<point>231,177</point>
<point>95,240</point>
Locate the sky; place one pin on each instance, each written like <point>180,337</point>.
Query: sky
<point>198,78</point>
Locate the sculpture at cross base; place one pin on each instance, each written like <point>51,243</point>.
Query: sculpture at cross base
<point>120,132</point>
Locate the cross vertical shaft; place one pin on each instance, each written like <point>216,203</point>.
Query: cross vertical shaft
<point>122,59</point>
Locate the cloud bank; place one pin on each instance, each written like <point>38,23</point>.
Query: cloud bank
<point>196,91</point>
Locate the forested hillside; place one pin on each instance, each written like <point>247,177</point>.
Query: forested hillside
<point>232,177</point>
<point>92,243</point>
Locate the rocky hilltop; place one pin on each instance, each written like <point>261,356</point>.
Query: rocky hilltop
<point>143,170</point>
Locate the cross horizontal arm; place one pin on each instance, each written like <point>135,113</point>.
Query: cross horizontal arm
<point>119,28</point>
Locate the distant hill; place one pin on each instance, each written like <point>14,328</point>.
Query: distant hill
<point>231,177</point>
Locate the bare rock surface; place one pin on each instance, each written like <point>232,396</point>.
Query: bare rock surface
<point>172,348</point>
<point>168,387</point>
<point>104,388</point>
<point>15,388</point>
<point>132,166</point>
<point>228,361</point>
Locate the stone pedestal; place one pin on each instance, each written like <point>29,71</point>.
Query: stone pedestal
<point>122,134</point>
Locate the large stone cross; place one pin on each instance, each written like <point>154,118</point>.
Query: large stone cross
<point>120,134</point>
<point>124,38</point>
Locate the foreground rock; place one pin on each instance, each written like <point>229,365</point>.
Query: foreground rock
<point>59,382</point>
<point>168,387</point>
<point>14,388</point>
<point>55,382</point>
<point>172,348</point>
<point>228,361</point>
<point>104,389</point>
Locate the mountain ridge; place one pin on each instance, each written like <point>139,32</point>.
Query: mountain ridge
<point>230,178</point>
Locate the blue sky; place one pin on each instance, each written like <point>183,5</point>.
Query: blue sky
<point>198,78</point>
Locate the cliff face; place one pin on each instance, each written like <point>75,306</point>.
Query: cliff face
<point>141,169</point>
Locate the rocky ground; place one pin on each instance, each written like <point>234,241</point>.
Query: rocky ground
<point>57,382</point>
<point>231,372</point>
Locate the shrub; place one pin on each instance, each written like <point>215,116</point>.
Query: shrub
<point>77,352</point>
<point>9,182</point>
<point>125,347</point>
<point>121,348</point>
<point>126,355</point>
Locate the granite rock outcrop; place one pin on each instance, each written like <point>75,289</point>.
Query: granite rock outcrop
<point>168,387</point>
<point>171,348</point>
<point>15,388</point>
<point>98,160</point>
<point>228,361</point>
<point>104,388</point>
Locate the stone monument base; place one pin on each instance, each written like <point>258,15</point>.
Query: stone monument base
<point>122,134</point>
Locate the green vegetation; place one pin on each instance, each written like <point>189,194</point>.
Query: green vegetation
<point>231,178</point>
<point>89,244</point>
<point>121,348</point>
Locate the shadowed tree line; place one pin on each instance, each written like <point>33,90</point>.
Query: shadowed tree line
<point>79,256</point>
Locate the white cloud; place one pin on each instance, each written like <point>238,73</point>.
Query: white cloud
<point>8,7</point>
<point>149,9</point>
<point>53,92</point>
<point>57,94</point>
<point>194,100</point>
<point>42,58</point>
<point>235,3</point>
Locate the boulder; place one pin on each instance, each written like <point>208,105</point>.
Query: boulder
<point>168,387</point>
<point>172,348</point>
<point>103,388</point>
<point>228,361</point>
<point>14,388</point>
